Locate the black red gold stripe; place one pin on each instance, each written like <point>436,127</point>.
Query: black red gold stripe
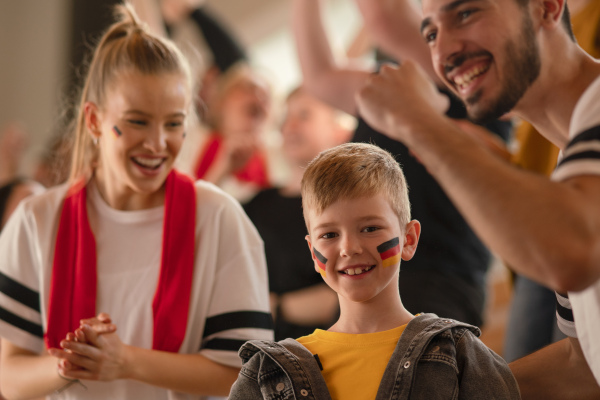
<point>390,252</point>
<point>320,259</point>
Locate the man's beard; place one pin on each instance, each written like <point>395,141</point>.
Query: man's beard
<point>521,69</point>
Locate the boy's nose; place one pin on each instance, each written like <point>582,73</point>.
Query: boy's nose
<point>350,246</point>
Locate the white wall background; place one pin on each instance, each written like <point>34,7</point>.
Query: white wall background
<point>32,59</point>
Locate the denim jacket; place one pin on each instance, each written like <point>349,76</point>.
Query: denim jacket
<point>435,358</point>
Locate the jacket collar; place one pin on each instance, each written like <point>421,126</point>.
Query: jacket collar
<point>290,355</point>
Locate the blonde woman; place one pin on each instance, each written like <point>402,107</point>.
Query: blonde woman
<point>175,268</point>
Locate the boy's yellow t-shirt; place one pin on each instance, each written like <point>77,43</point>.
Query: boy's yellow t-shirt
<point>353,364</point>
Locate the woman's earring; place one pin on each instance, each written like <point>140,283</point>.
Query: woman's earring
<point>95,140</point>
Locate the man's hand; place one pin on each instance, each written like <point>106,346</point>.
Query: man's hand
<point>397,97</point>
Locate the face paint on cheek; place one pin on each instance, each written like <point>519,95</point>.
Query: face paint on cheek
<point>321,261</point>
<point>117,131</point>
<point>390,252</point>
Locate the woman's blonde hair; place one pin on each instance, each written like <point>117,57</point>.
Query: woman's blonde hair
<point>126,46</point>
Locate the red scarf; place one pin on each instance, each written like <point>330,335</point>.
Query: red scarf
<point>74,280</point>
<point>254,171</point>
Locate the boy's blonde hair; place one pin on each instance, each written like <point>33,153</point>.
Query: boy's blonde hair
<point>354,170</point>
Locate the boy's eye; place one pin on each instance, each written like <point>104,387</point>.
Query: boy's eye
<point>370,229</point>
<point>328,235</point>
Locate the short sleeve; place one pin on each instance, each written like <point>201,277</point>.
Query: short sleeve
<point>20,317</point>
<point>581,156</point>
<point>239,304</point>
<point>564,315</point>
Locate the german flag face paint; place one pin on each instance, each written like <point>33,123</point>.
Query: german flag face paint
<point>117,131</point>
<point>390,252</point>
<point>321,261</point>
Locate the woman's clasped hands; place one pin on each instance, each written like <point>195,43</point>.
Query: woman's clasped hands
<point>93,351</point>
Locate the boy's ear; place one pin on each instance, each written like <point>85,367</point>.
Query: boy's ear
<point>92,120</point>
<point>312,255</point>
<point>411,239</point>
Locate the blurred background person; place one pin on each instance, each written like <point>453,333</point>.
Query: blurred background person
<point>300,301</point>
<point>233,154</point>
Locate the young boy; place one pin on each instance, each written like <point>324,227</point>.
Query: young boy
<point>300,301</point>
<point>357,213</point>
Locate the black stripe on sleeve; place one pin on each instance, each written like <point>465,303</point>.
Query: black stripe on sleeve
<point>224,344</point>
<point>564,312</point>
<point>20,293</point>
<point>237,320</point>
<point>590,154</point>
<point>563,295</point>
<point>586,136</point>
<point>21,323</point>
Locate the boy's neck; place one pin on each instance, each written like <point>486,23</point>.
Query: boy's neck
<point>376,315</point>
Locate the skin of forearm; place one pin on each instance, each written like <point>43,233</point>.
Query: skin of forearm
<point>188,373</point>
<point>536,225</point>
<point>27,375</point>
<point>316,56</point>
<point>557,371</point>
<point>322,77</point>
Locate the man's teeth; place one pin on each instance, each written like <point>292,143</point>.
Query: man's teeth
<point>356,271</point>
<point>148,162</point>
<point>466,78</point>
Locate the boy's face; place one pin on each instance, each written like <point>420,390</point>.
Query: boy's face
<point>357,245</point>
<point>485,51</point>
